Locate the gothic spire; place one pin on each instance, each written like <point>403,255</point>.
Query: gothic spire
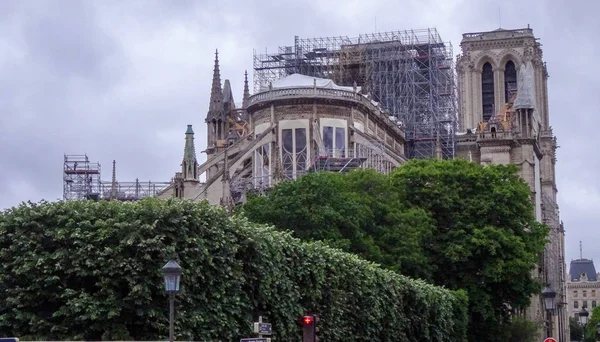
<point>189,166</point>
<point>246,91</point>
<point>215,108</point>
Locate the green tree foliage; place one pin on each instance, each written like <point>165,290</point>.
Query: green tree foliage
<point>591,331</point>
<point>453,223</point>
<point>486,238</point>
<point>356,212</point>
<point>91,271</point>
<point>522,330</point>
<point>576,329</point>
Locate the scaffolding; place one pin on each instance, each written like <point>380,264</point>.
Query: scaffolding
<point>131,191</point>
<point>410,73</point>
<point>82,180</point>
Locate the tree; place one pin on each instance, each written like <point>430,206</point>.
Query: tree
<point>486,239</point>
<point>522,330</point>
<point>451,222</point>
<point>576,329</point>
<point>591,330</point>
<point>356,212</point>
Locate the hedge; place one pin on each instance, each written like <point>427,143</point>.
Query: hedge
<point>85,270</point>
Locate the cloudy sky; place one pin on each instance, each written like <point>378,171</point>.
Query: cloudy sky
<point>121,79</point>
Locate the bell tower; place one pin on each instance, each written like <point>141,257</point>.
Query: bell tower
<point>503,119</point>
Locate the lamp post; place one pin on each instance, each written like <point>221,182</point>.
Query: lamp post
<point>549,295</point>
<point>583,318</point>
<point>172,275</point>
<point>598,331</point>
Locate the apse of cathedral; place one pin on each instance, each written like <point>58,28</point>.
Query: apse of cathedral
<point>294,125</point>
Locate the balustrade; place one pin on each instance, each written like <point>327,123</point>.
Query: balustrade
<point>285,93</point>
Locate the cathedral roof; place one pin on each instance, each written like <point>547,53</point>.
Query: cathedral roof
<point>582,266</point>
<point>303,81</point>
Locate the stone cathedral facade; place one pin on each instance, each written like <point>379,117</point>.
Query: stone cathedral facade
<point>504,119</point>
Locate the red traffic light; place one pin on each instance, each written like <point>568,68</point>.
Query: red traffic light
<point>307,320</point>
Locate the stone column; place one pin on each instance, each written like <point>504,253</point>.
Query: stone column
<point>476,115</point>
<point>498,89</point>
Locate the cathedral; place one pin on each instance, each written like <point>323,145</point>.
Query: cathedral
<point>504,119</point>
<point>294,125</point>
<point>300,123</point>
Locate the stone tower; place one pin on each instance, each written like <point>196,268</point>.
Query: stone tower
<point>503,119</point>
<point>189,165</point>
<point>216,118</point>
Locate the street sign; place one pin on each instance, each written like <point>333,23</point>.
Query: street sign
<point>9,339</point>
<point>256,339</point>
<point>550,339</point>
<point>263,328</point>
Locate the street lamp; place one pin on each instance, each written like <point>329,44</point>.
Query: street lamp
<point>583,316</point>
<point>549,295</point>
<point>172,275</point>
<point>583,319</point>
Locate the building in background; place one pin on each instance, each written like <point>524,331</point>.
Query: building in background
<point>504,119</point>
<point>583,286</point>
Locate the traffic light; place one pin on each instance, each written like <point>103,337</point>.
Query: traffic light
<point>309,328</point>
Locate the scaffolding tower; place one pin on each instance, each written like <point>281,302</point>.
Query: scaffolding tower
<point>81,178</point>
<point>410,73</point>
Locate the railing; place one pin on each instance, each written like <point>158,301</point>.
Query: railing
<point>495,135</point>
<point>308,92</point>
<point>547,133</point>
<point>260,183</point>
<point>132,190</point>
<point>361,152</point>
<point>304,92</point>
<point>479,34</point>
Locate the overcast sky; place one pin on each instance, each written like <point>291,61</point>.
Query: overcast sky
<point>121,80</point>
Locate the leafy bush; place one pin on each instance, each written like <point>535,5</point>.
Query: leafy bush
<point>523,330</point>
<point>85,270</point>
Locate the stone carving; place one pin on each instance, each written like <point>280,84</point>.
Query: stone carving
<point>483,57</point>
<point>509,55</point>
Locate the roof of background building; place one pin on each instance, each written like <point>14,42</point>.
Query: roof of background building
<point>581,266</point>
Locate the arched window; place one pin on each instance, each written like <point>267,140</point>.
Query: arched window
<point>510,80</point>
<point>487,91</point>
<point>294,152</point>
